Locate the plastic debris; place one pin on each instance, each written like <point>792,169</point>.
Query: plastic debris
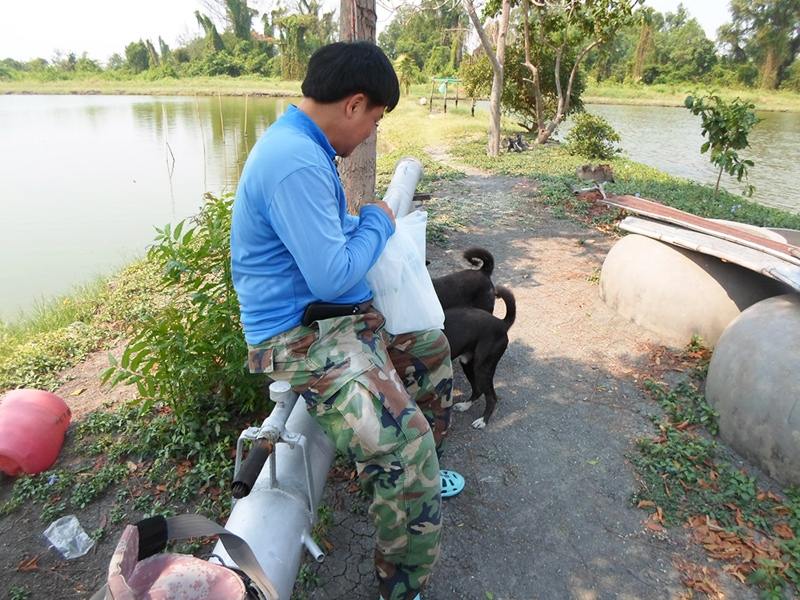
<point>68,537</point>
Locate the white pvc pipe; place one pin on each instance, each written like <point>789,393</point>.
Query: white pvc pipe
<point>400,192</point>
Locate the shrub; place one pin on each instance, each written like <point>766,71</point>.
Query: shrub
<point>191,356</point>
<point>726,125</point>
<point>593,137</point>
<point>792,80</point>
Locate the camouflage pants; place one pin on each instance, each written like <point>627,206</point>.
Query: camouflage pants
<point>385,401</point>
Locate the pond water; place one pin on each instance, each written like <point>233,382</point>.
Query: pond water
<point>87,178</point>
<point>669,139</point>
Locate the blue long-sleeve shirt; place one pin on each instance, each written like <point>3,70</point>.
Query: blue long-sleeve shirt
<point>292,240</point>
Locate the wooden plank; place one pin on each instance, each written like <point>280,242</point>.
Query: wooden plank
<point>749,258</point>
<point>660,212</point>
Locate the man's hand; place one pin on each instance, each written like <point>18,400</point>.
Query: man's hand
<point>385,207</point>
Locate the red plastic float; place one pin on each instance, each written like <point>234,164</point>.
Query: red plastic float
<point>32,427</point>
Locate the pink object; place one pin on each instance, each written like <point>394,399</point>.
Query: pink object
<point>32,426</point>
<point>167,576</point>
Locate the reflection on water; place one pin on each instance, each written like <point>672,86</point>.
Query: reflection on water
<point>669,139</point>
<point>87,178</point>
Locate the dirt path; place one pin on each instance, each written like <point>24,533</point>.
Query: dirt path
<point>546,511</point>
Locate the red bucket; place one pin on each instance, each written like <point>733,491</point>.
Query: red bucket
<point>32,427</point>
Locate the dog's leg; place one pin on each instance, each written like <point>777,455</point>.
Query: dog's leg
<point>487,358</point>
<point>469,370</point>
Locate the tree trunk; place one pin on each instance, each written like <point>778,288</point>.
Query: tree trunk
<point>535,80</point>
<point>496,58</point>
<point>357,172</point>
<point>562,108</point>
<point>769,70</point>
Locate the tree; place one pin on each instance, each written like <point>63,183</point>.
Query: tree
<point>240,18</point>
<point>726,125</point>
<point>766,32</point>
<point>432,34</point>
<point>213,40</point>
<point>235,14</point>
<point>137,57</point>
<point>166,53</point>
<point>564,24</point>
<point>299,34</point>
<point>87,65</point>
<point>407,71</point>
<point>496,57</point>
<point>645,44</point>
<point>152,54</point>
<point>116,62</point>
<point>683,52</point>
<point>517,99</point>
<point>357,171</point>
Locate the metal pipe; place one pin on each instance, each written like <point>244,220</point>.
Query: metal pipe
<point>276,520</point>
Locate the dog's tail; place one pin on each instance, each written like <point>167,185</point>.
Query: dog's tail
<point>511,305</point>
<point>480,257</point>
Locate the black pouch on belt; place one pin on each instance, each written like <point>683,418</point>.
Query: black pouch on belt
<point>317,311</point>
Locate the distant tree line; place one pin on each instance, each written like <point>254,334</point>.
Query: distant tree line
<point>276,45</point>
<point>758,48</point>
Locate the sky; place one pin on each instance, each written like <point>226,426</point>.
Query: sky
<point>100,28</point>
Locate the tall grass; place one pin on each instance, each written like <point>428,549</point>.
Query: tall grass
<point>46,315</point>
<point>675,93</point>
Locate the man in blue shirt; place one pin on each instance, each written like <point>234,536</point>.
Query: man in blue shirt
<point>383,399</point>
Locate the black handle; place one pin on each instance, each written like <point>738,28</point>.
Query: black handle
<point>250,468</point>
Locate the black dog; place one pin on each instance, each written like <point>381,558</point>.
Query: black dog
<point>479,340</point>
<point>469,287</point>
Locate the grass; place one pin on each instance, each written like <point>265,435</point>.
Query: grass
<point>189,86</point>
<point>674,94</point>
<point>687,479</point>
<point>61,332</point>
<point>603,93</point>
<point>554,168</point>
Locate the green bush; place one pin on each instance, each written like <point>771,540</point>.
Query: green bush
<point>191,355</point>
<point>792,80</point>
<point>593,137</point>
<point>726,125</point>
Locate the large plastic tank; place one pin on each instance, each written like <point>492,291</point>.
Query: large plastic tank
<point>32,427</point>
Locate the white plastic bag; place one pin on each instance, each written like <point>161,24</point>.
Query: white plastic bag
<point>68,537</point>
<point>400,283</point>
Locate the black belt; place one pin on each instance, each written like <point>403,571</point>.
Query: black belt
<point>317,311</point>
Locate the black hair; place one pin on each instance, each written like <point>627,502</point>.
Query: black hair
<point>340,69</point>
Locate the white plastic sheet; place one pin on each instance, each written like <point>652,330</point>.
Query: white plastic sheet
<point>68,537</point>
<point>400,283</point>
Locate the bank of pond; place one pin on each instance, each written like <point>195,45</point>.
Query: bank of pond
<point>90,177</point>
